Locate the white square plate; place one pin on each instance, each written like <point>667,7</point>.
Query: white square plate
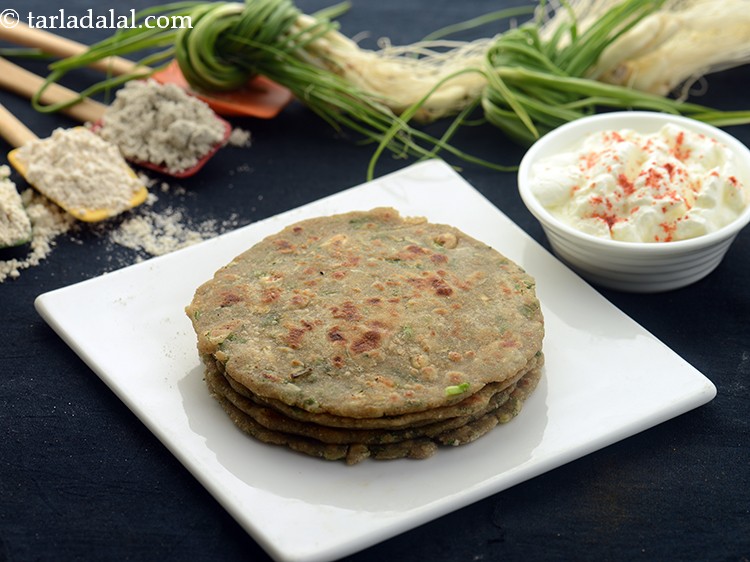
<point>130,328</point>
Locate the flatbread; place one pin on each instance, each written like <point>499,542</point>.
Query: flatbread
<point>368,314</point>
<point>469,406</point>
<point>377,444</point>
<point>271,418</point>
<point>368,335</point>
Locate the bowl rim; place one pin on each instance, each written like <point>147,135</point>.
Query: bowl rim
<point>591,123</point>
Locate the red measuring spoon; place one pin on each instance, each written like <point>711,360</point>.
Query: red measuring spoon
<point>260,97</point>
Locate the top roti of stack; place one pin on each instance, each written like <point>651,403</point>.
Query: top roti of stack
<point>368,314</point>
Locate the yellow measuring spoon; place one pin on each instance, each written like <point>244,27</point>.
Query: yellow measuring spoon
<point>18,135</point>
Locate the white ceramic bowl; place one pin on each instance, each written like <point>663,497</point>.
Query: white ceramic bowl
<point>641,267</point>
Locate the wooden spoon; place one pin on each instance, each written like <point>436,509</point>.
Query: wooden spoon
<point>25,83</point>
<point>17,134</point>
<point>20,81</point>
<point>260,97</point>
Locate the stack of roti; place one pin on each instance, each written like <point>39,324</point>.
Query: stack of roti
<point>366,334</point>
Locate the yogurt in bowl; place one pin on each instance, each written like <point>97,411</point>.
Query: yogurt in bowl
<point>638,201</point>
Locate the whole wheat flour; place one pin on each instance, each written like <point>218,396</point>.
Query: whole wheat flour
<point>79,170</point>
<point>15,225</point>
<point>162,125</point>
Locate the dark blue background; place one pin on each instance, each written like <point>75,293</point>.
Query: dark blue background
<point>81,478</point>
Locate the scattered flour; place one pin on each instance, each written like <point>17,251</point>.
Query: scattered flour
<point>161,125</point>
<point>79,171</point>
<point>146,230</point>
<point>15,225</point>
<point>142,132</point>
<point>48,222</point>
<point>159,233</point>
<point>153,230</point>
<point>239,137</point>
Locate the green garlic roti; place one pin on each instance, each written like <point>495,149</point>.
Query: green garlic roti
<point>366,334</point>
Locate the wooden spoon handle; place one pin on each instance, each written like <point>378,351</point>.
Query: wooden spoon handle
<point>12,130</point>
<point>22,34</point>
<point>24,83</point>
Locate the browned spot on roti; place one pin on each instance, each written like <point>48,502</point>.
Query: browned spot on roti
<point>270,295</point>
<point>441,287</point>
<point>229,298</point>
<point>284,246</point>
<point>347,311</point>
<point>335,335</point>
<point>370,340</point>
<point>294,335</point>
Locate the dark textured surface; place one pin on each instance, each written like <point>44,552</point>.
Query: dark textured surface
<point>81,478</point>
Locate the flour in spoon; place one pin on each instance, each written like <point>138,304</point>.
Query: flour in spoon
<point>15,226</point>
<point>161,124</point>
<point>79,170</point>
<point>48,222</point>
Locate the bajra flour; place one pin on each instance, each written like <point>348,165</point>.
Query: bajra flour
<point>162,125</point>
